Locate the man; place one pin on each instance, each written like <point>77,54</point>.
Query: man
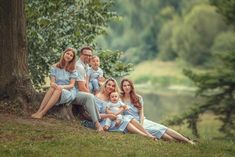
<point>83,97</point>
<point>81,66</point>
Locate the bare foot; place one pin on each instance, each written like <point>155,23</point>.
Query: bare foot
<point>191,142</point>
<point>99,128</point>
<point>37,116</point>
<point>118,122</point>
<point>106,128</point>
<point>153,137</point>
<point>33,114</point>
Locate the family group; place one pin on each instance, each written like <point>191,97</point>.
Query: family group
<point>111,107</point>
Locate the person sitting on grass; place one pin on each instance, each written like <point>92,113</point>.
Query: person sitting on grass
<point>136,109</point>
<point>128,123</point>
<point>116,107</point>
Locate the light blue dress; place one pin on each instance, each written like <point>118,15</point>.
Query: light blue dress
<point>153,128</point>
<point>101,105</point>
<point>63,77</point>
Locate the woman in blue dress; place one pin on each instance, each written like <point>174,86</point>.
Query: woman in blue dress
<point>135,105</point>
<point>62,90</point>
<point>128,123</point>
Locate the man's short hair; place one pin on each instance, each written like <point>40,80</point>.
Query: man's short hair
<point>85,48</point>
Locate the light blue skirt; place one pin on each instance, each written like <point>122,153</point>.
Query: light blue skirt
<point>154,128</point>
<point>67,96</point>
<point>122,127</point>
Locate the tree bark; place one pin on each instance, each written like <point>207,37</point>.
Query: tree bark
<point>15,82</point>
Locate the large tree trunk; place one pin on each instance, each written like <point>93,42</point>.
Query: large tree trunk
<point>15,83</point>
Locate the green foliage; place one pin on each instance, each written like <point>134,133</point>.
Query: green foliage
<point>111,64</point>
<point>54,25</point>
<point>226,8</point>
<point>224,42</point>
<point>218,87</point>
<point>194,39</point>
<point>137,33</point>
<point>165,42</point>
<point>217,90</point>
<point>192,119</point>
<point>168,29</point>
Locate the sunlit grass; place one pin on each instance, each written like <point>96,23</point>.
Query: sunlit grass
<point>208,127</point>
<point>156,73</point>
<point>157,68</point>
<point>23,137</point>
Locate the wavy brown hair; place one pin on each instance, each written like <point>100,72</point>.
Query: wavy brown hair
<point>71,65</point>
<point>135,99</point>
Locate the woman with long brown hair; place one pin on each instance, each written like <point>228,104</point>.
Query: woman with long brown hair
<point>62,90</point>
<point>136,109</point>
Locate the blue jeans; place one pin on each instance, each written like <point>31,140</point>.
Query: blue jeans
<point>94,85</point>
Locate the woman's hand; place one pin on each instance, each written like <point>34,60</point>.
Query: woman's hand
<point>112,116</point>
<point>60,87</point>
<point>125,107</point>
<point>53,85</point>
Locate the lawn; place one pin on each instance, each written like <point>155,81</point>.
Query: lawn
<point>26,137</point>
<point>153,74</point>
<point>21,136</point>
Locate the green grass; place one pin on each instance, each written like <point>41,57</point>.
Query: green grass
<point>157,68</point>
<point>158,72</point>
<point>25,137</point>
<point>155,73</point>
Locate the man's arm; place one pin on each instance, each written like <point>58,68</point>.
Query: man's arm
<point>82,79</point>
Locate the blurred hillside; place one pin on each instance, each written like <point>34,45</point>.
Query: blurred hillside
<point>186,30</point>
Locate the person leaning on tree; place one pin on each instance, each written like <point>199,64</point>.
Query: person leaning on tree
<point>62,90</point>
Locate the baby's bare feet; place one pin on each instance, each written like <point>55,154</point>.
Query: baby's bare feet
<point>106,128</point>
<point>118,122</point>
<point>99,128</point>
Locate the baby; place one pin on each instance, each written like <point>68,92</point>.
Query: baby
<point>116,107</point>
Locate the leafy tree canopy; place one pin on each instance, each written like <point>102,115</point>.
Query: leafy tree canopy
<point>226,8</point>
<point>57,24</point>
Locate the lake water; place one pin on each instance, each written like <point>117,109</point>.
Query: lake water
<point>161,105</point>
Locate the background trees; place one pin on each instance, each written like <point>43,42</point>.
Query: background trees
<point>198,30</point>
<point>216,88</point>
<point>54,25</point>
<point>184,30</point>
<point>15,82</point>
<point>51,27</point>
<point>188,30</point>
